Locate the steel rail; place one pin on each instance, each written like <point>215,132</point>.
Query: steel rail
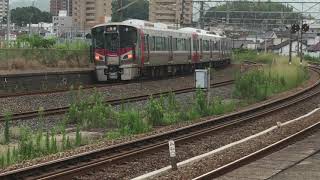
<point>260,153</point>
<point>78,164</point>
<point>63,110</point>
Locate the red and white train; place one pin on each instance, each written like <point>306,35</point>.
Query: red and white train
<point>135,48</point>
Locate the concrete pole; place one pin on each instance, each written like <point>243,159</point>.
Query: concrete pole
<point>301,43</point>
<point>290,48</point>
<point>8,22</point>
<point>201,15</point>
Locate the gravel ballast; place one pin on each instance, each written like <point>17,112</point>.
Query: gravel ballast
<point>54,100</point>
<point>238,151</point>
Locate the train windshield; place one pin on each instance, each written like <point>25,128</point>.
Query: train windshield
<point>114,37</point>
<point>98,37</point>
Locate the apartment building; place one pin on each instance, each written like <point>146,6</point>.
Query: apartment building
<point>62,23</point>
<point>169,11</point>
<point>60,5</point>
<point>87,13</point>
<point>3,8</point>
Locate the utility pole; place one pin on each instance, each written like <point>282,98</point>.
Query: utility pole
<point>294,28</point>
<point>30,21</point>
<point>182,13</point>
<point>290,48</point>
<point>8,22</point>
<point>301,42</point>
<point>120,12</point>
<point>201,15</point>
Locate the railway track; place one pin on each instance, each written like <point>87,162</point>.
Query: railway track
<point>260,153</point>
<point>80,164</point>
<point>63,110</point>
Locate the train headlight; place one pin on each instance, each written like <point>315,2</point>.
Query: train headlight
<point>127,57</point>
<point>98,57</point>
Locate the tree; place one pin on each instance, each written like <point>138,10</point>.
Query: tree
<point>25,15</point>
<point>139,10</point>
<point>240,12</point>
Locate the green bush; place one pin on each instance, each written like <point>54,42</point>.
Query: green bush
<point>131,122</point>
<point>35,41</point>
<point>90,112</point>
<point>312,59</point>
<point>7,118</point>
<point>78,137</point>
<point>155,112</point>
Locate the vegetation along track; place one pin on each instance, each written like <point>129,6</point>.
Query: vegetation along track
<point>76,165</point>
<point>63,110</point>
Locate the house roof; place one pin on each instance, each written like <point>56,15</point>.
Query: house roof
<point>314,48</point>
<point>269,34</point>
<point>283,44</point>
<point>282,34</point>
<point>309,35</point>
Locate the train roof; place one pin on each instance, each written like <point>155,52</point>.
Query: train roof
<point>160,26</point>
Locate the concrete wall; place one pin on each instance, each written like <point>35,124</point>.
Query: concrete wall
<point>45,81</point>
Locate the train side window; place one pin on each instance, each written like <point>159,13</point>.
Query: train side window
<point>187,48</point>
<point>158,44</point>
<point>213,44</point>
<point>206,46</point>
<point>174,44</point>
<point>180,44</point>
<point>188,45</point>
<point>151,43</point>
<point>166,43</point>
<point>217,46</point>
<point>195,45</point>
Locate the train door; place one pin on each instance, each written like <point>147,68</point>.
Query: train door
<point>146,49</point>
<point>211,49</point>
<point>170,48</point>
<point>201,49</point>
<point>220,49</point>
<point>189,49</point>
<point>195,49</point>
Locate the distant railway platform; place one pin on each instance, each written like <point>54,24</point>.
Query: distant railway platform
<point>295,162</point>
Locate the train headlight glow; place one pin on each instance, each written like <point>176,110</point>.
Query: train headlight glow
<point>128,57</point>
<point>98,57</point>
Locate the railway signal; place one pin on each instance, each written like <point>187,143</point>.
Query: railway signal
<point>295,28</point>
<point>305,27</point>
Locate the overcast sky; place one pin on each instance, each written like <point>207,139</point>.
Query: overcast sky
<point>44,5</point>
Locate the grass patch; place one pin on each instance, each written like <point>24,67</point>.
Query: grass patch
<point>36,52</point>
<point>240,55</point>
<point>257,85</point>
<point>312,59</point>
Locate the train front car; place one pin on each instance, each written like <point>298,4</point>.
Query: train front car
<point>114,47</point>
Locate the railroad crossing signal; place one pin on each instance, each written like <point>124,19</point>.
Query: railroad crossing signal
<point>305,27</point>
<point>295,28</point>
